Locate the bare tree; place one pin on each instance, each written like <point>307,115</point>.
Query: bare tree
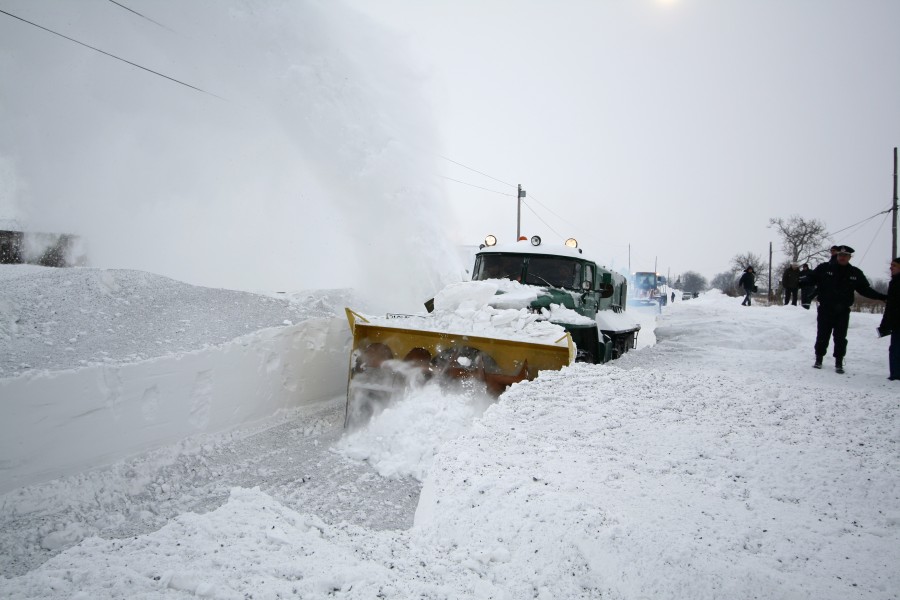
<point>800,237</point>
<point>725,281</point>
<point>740,262</point>
<point>693,282</point>
<point>880,285</point>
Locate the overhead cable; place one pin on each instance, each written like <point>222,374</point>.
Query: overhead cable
<point>478,186</point>
<point>110,55</point>
<point>545,207</point>
<point>540,219</point>
<point>475,170</point>
<point>140,15</point>
<point>829,235</point>
<point>874,236</point>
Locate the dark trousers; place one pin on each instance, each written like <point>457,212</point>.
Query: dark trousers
<point>894,355</point>
<point>832,320</point>
<point>746,301</point>
<point>806,296</point>
<point>790,295</point>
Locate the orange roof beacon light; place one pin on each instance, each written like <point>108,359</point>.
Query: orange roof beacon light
<point>572,243</point>
<point>522,238</point>
<point>535,240</point>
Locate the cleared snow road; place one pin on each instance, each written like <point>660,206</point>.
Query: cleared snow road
<point>288,457</point>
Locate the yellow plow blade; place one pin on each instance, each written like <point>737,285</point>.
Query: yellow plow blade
<point>384,358</point>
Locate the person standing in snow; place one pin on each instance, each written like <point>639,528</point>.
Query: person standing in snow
<point>890,322</point>
<point>836,282</point>
<point>790,281</point>
<point>748,283</point>
<point>807,286</point>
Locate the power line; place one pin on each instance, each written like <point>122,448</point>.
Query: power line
<point>110,55</point>
<point>541,220</point>
<point>140,15</point>
<point>532,197</point>
<point>475,170</point>
<point>875,236</point>
<point>833,233</point>
<point>564,220</point>
<point>478,186</point>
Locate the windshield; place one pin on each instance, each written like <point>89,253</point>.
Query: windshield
<point>644,281</point>
<point>552,271</point>
<point>499,266</point>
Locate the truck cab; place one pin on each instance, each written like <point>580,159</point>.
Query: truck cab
<point>572,280</point>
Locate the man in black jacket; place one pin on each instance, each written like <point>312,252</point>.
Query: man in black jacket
<point>836,282</point>
<point>748,283</point>
<point>790,281</point>
<point>890,322</point>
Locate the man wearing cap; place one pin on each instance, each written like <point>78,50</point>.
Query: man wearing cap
<point>748,283</point>
<point>837,280</point>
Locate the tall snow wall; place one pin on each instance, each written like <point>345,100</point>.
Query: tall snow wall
<point>112,411</point>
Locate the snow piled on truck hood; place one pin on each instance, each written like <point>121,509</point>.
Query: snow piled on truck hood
<point>476,308</point>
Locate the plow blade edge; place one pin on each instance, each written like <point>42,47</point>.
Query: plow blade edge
<point>384,359</point>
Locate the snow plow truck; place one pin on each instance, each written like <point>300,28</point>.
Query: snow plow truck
<point>529,307</point>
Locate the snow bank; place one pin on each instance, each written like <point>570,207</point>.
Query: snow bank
<point>108,363</point>
<point>57,319</point>
<point>52,419</point>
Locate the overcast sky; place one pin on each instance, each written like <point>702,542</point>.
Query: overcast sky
<point>678,127</point>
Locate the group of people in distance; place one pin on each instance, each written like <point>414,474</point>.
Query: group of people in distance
<point>834,284</point>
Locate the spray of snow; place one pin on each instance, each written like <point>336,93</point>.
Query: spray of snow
<point>322,149</point>
<point>404,438</point>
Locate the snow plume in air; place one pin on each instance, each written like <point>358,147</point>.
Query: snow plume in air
<point>314,170</point>
<point>403,439</point>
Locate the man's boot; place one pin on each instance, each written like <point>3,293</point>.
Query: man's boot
<point>818,363</point>
<point>839,365</point>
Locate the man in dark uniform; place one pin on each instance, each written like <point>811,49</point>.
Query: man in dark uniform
<point>790,281</point>
<point>837,280</point>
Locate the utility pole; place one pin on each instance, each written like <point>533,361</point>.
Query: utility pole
<point>519,212</point>
<point>771,296</point>
<point>894,229</point>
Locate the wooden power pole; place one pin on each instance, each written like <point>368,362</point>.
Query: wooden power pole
<point>771,295</point>
<point>519,212</point>
<point>894,228</point>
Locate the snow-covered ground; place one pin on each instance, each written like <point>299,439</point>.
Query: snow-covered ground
<point>714,464</point>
